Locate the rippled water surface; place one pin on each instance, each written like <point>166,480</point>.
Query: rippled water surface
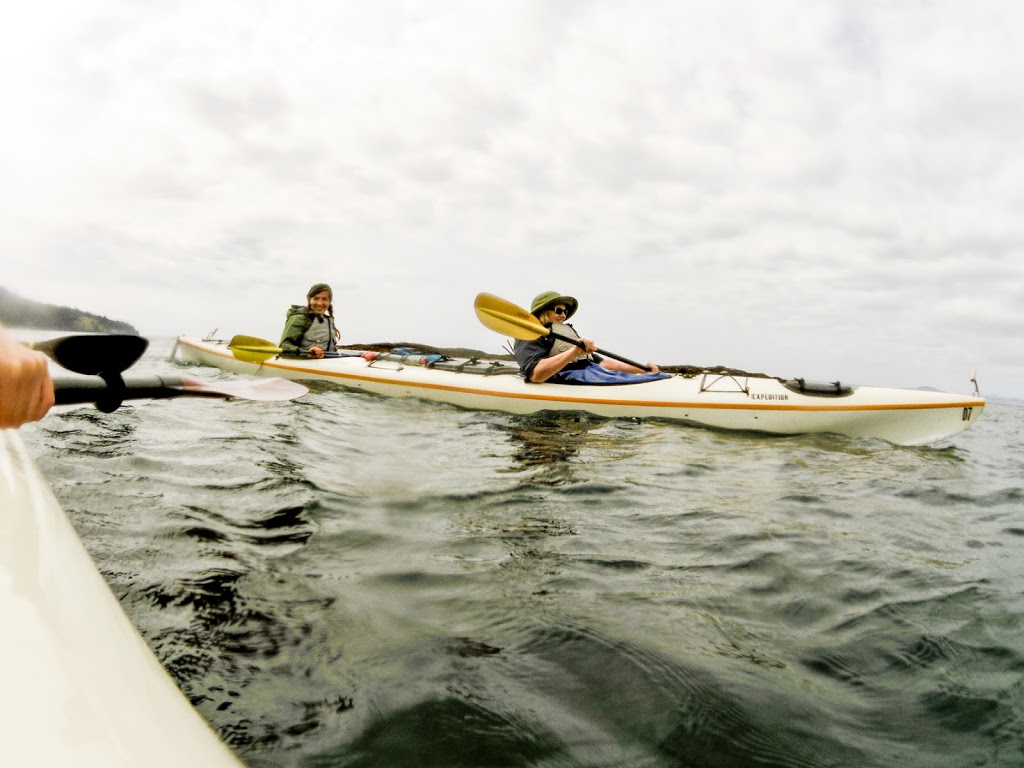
<point>347,580</point>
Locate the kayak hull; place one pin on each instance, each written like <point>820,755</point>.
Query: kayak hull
<point>81,687</point>
<point>721,401</point>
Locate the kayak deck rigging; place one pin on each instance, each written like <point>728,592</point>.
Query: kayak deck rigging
<point>473,365</point>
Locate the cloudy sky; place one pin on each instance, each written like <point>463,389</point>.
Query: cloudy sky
<point>828,189</point>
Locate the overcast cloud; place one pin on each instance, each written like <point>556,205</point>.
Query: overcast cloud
<point>800,187</point>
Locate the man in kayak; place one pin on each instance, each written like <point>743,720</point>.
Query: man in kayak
<point>309,330</point>
<point>26,392</point>
<point>561,362</point>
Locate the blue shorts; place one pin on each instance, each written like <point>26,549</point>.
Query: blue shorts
<point>596,374</point>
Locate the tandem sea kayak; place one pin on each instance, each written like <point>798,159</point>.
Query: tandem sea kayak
<point>728,401</point>
<point>80,686</point>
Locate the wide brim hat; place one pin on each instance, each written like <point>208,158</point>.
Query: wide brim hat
<point>544,300</point>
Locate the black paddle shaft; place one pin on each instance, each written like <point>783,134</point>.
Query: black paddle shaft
<point>600,351</point>
<point>108,394</point>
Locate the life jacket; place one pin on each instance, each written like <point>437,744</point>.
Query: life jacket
<point>564,329</point>
<point>317,330</point>
<point>320,333</point>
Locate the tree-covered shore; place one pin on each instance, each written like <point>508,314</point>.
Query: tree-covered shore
<point>17,312</point>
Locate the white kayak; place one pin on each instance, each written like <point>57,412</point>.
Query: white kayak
<point>721,400</point>
<point>80,687</point>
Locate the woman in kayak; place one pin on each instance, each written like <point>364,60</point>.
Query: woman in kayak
<point>561,362</point>
<point>309,330</point>
<point>26,392</point>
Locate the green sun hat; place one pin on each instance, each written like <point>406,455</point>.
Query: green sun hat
<point>548,298</point>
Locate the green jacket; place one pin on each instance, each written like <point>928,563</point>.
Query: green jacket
<point>297,322</point>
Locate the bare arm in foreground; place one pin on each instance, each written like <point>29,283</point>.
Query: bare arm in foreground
<point>26,392</point>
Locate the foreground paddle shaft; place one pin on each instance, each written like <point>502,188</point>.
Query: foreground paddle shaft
<point>94,389</point>
<point>506,318</point>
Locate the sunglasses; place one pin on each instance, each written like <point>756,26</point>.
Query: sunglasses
<point>559,310</point>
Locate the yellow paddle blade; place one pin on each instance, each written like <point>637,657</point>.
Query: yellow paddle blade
<point>506,318</point>
<point>250,349</point>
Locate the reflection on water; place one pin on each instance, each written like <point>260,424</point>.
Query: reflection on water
<point>565,449</point>
<point>349,580</point>
<point>91,431</point>
<point>547,439</point>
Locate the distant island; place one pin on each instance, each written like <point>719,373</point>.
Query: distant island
<point>16,312</point>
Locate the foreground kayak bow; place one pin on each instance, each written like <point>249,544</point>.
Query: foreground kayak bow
<point>108,395</point>
<point>80,686</point>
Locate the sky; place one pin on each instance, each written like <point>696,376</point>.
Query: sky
<point>830,189</point>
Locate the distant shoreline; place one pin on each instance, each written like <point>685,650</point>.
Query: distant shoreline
<point>18,312</point>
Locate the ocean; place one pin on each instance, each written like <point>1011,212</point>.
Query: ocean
<point>348,580</point>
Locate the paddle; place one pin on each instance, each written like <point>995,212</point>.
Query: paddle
<point>101,358</point>
<point>94,389</point>
<point>251,349</point>
<point>94,355</point>
<point>506,318</point>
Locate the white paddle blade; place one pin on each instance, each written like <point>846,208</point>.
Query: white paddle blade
<point>265,390</point>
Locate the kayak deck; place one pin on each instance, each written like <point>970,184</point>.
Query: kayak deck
<point>723,401</point>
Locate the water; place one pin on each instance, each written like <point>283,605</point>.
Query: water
<point>353,581</point>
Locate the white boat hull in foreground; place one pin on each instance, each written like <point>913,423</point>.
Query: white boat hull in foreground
<point>80,686</point>
<point>721,401</point>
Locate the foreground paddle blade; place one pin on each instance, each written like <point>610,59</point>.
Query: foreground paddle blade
<point>251,349</point>
<point>506,318</point>
<point>93,389</point>
<point>265,390</point>
<point>94,355</point>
